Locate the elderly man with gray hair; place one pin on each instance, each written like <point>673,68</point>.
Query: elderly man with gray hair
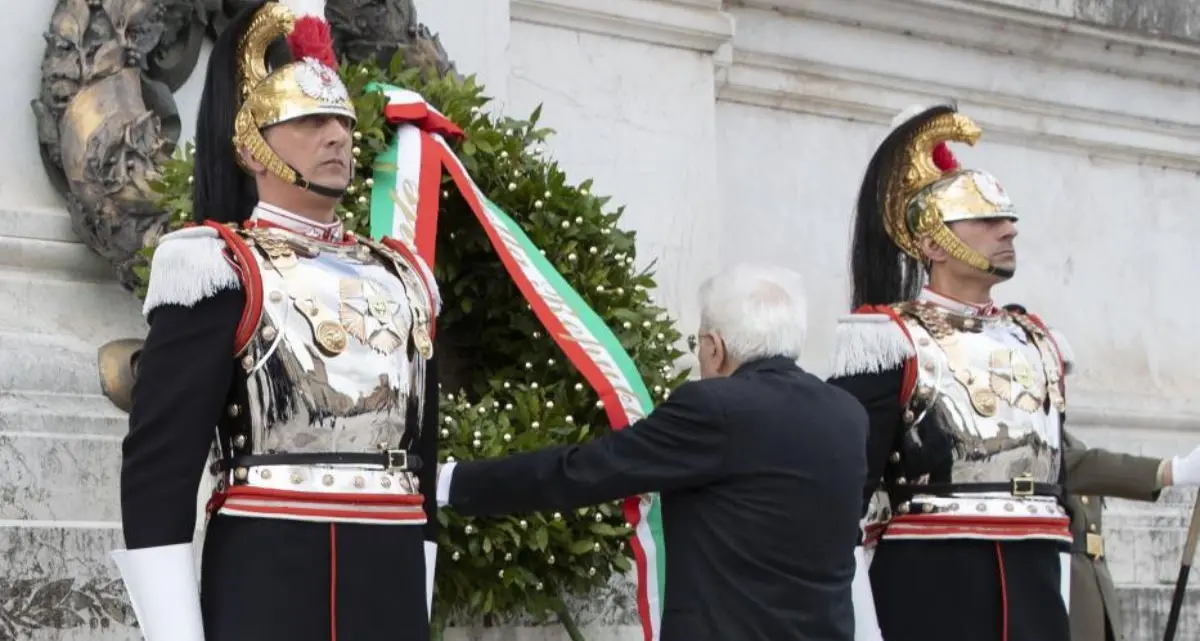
<point>760,466</point>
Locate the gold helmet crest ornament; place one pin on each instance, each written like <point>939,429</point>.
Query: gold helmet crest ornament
<point>309,85</point>
<point>928,189</point>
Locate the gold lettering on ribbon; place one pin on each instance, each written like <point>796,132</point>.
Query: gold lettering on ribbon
<point>405,195</point>
<point>577,331</point>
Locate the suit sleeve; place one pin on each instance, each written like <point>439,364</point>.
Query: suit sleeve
<point>879,394</point>
<point>184,374</point>
<point>1095,472</point>
<point>427,449</point>
<point>681,444</point>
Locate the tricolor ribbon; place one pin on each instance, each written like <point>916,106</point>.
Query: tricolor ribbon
<point>404,205</point>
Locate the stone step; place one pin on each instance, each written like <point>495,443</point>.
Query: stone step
<point>70,415</point>
<point>1144,609</point>
<point>55,363</point>
<point>60,477</point>
<point>64,258</point>
<point>94,312</point>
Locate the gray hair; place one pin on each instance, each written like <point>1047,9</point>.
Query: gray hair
<point>759,312</point>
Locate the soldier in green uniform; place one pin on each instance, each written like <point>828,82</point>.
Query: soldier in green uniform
<point>1092,474</point>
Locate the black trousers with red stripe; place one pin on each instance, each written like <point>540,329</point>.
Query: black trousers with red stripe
<point>277,580</point>
<point>968,590</point>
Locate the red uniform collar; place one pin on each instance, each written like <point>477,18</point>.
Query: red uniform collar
<point>957,306</point>
<point>272,216</point>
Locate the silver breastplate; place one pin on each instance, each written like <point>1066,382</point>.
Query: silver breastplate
<point>992,385</point>
<point>339,359</point>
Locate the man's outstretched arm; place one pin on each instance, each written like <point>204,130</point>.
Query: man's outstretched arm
<point>680,444</point>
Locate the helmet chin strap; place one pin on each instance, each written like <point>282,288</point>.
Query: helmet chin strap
<point>321,190</point>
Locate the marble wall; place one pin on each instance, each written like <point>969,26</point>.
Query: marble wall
<point>733,132</point>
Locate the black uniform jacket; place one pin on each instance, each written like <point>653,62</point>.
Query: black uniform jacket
<point>760,476</point>
<point>186,377</point>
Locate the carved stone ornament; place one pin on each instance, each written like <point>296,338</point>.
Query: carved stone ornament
<point>106,115</point>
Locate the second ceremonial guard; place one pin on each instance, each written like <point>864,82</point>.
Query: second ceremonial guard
<point>301,355</point>
<point>966,403</point>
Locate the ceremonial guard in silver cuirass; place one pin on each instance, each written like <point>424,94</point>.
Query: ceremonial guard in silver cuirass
<point>964,527</point>
<point>300,356</point>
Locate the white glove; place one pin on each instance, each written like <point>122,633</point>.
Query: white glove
<point>1185,471</point>
<point>163,590</point>
<point>430,566</point>
<point>866,623</point>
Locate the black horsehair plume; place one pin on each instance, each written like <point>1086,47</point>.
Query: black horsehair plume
<point>221,190</point>
<point>881,272</point>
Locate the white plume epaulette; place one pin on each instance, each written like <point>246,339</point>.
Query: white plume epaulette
<point>869,343</point>
<point>189,265</point>
<point>1064,350</point>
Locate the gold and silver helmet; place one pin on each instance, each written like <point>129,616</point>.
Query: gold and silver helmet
<point>914,189</point>
<point>308,85</point>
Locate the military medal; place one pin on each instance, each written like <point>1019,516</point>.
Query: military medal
<point>331,337</point>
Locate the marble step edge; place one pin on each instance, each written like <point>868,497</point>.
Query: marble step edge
<point>38,223</point>
<point>44,303</point>
<point>49,415</point>
<point>69,259</point>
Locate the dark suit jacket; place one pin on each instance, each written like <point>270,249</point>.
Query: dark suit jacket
<point>1092,474</point>
<point>760,475</point>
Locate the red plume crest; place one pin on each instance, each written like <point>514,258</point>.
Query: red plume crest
<point>943,158</point>
<point>311,38</point>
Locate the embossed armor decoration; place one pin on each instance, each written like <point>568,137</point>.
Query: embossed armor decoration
<point>300,361</point>
<point>966,404</point>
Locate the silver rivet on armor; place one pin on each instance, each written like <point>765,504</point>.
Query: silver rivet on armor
<point>265,474</point>
<point>981,507</point>
<point>247,362</point>
<point>385,481</point>
<point>297,479</point>
<point>235,410</point>
<point>360,482</point>
<point>895,457</point>
<point>241,473</point>
<point>1084,500</point>
<point>276,296</point>
<point>1033,509</point>
<point>327,479</point>
<point>969,323</point>
<point>239,441</point>
<point>1009,507</point>
<point>901,481</point>
<point>953,507</point>
<point>909,416</point>
<point>268,333</point>
<point>903,508</point>
<point>927,508</point>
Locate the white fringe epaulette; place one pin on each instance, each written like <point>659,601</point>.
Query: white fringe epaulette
<point>1064,350</point>
<point>189,265</point>
<point>869,343</point>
